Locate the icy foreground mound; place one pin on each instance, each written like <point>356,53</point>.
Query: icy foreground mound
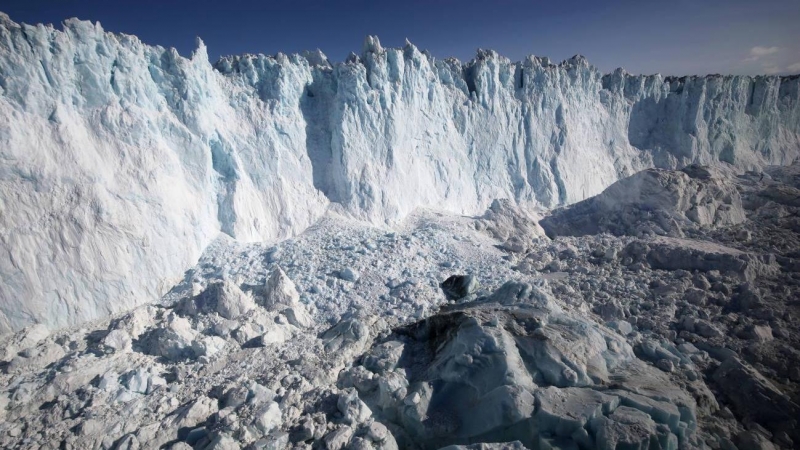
<point>122,161</point>
<point>515,367</point>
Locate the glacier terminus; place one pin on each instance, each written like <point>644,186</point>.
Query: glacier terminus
<point>394,251</point>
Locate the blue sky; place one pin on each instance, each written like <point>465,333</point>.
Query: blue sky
<point>677,37</point>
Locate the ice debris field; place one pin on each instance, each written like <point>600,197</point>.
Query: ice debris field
<point>391,252</point>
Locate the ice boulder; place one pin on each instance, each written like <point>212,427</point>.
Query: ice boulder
<point>512,225</point>
<point>267,417</point>
<point>207,345</point>
<point>279,290</point>
<point>566,412</point>
<point>173,340</point>
<point>354,411</point>
<point>24,339</point>
<point>349,336</point>
<point>628,428</point>
<point>298,316</point>
<point>224,298</point>
<point>118,341</point>
<point>195,412</point>
<point>349,274</point>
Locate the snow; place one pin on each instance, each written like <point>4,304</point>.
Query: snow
<point>122,158</point>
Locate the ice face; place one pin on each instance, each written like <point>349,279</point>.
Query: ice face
<point>122,161</point>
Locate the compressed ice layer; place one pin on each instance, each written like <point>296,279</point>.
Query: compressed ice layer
<point>122,161</point>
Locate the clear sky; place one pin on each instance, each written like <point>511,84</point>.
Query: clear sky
<point>677,37</point>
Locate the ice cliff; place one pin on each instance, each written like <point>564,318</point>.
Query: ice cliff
<point>121,161</point>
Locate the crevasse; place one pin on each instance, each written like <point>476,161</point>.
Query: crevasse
<point>121,161</point>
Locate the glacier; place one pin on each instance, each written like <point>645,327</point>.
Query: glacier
<point>121,161</point>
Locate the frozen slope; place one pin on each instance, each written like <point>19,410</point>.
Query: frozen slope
<point>122,161</point>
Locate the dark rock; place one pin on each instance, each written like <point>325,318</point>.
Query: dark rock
<point>459,286</point>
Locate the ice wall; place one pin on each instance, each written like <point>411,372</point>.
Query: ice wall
<point>121,161</point>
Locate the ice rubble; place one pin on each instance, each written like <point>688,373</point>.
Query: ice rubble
<point>122,161</point>
<point>595,341</point>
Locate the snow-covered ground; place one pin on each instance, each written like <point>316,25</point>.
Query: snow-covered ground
<point>671,327</point>
<point>122,162</point>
